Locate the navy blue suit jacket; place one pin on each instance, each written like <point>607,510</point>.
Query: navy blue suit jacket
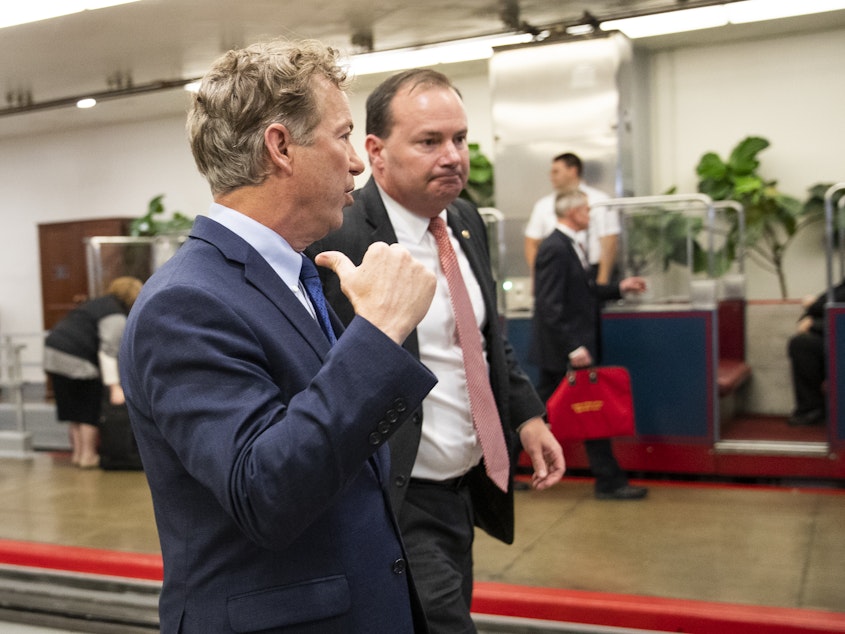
<point>264,449</point>
<point>366,221</point>
<point>567,305</point>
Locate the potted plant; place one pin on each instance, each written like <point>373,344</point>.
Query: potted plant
<point>149,225</point>
<point>772,219</point>
<point>479,187</point>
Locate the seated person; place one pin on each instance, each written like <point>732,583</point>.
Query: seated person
<point>807,360</point>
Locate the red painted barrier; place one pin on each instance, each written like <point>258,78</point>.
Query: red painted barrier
<point>85,560</point>
<point>550,604</point>
<point>650,613</point>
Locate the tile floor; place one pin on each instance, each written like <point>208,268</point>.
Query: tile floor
<point>740,544</point>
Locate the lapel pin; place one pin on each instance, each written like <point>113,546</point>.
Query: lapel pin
<point>465,234</point>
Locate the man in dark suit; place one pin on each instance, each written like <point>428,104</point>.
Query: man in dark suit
<point>263,440</point>
<point>417,145</point>
<point>565,328</point>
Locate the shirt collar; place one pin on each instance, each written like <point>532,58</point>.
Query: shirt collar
<point>409,227</point>
<point>269,244</point>
<point>569,233</point>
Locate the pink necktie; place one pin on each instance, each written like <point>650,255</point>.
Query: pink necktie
<point>485,416</point>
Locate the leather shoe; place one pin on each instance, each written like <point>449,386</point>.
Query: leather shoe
<point>626,492</point>
<point>813,417</point>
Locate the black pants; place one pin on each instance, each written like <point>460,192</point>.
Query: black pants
<point>603,465</point>
<point>436,522</point>
<point>806,356</point>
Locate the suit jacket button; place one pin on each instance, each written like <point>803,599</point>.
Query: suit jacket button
<point>399,566</point>
<point>399,405</point>
<point>417,418</point>
<point>383,427</point>
<point>400,480</point>
<point>375,438</point>
<point>392,415</point>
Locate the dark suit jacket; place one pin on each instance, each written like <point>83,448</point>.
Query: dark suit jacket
<point>816,309</point>
<point>365,222</point>
<point>263,449</point>
<point>567,304</point>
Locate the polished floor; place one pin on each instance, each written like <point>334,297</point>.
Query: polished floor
<point>740,544</point>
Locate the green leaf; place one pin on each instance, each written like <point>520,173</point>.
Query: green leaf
<point>156,206</point>
<point>711,167</point>
<point>743,159</point>
<point>747,185</point>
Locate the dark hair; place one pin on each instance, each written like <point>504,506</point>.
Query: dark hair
<point>571,160</point>
<point>379,116</point>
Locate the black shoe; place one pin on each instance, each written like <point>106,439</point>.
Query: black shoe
<point>801,419</point>
<point>626,492</point>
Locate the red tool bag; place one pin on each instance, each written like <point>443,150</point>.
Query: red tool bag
<point>592,402</point>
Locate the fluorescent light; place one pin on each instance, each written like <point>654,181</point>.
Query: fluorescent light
<point>14,13</point>
<point>580,29</point>
<point>759,10</point>
<point>718,15</point>
<point>446,53</point>
<point>86,103</point>
<point>669,22</point>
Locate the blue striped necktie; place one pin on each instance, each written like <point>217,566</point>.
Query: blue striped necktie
<point>311,281</point>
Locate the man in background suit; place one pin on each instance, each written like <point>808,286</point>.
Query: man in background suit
<point>263,441</point>
<point>417,145</point>
<point>565,329</point>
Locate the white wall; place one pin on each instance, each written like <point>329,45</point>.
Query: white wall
<point>789,90</point>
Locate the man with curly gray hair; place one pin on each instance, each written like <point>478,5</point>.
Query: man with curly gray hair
<point>262,422</point>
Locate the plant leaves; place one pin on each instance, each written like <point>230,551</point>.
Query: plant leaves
<point>743,159</point>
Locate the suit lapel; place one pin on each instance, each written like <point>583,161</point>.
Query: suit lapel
<point>262,276</point>
<point>573,255</point>
<point>381,230</point>
<point>473,247</point>
<point>377,218</point>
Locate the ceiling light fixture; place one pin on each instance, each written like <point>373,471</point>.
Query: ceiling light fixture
<point>670,22</point>
<point>760,10</point>
<point>87,102</point>
<point>105,95</point>
<point>718,15</point>
<point>431,55</point>
<point>15,13</point>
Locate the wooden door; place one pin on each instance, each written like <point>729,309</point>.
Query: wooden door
<point>64,275</point>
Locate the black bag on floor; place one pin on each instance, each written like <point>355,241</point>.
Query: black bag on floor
<point>118,449</point>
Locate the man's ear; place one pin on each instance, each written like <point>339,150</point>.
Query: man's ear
<point>278,141</point>
<point>374,146</point>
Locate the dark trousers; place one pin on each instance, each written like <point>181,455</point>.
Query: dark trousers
<point>806,356</point>
<point>603,465</point>
<point>436,522</point>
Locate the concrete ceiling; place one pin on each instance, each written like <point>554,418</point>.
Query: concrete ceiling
<point>162,40</point>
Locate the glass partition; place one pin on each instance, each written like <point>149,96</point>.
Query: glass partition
<point>687,247</point>
<point>109,257</point>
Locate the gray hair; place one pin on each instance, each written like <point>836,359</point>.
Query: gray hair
<point>247,90</point>
<point>565,202</point>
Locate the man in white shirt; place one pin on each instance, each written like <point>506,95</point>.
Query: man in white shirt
<point>602,237</point>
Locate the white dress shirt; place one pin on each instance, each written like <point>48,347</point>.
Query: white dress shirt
<point>449,446</point>
<point>604,221</point>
